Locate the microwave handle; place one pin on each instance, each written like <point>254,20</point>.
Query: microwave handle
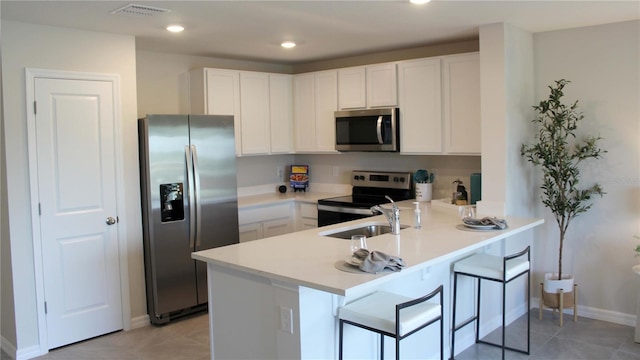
<point>379,129</point>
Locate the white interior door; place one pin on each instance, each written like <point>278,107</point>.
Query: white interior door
<point>77,195</point>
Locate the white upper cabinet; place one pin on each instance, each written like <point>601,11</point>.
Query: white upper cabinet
<point>261,104</point>
<point>304,112</point>
<point>352,88</point>
<point>217,92</point>
<point>420,106</point>
<point>461,89</point>
<point>326,105</point>
<point>255,112</point>
<point>281,113</point>
<point>315,98</point>
<point>367,86</point>
<point>382,85</point>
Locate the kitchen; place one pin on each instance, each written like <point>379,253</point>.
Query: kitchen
<point>144,72</point>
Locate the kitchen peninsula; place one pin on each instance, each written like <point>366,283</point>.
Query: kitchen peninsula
<point>277,298</point>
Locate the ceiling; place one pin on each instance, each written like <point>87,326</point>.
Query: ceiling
<point>253,30</point>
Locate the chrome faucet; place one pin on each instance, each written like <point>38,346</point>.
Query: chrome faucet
<point>392,215</point>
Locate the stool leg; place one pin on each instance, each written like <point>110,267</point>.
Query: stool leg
<point>453,317</point>
<point>528,312</point>
<point>478,312</point>
<point>340,341</point>
<point>382,347</point>
<point>504,315</point>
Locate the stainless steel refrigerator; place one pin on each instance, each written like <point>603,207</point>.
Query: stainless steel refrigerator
<point>189,203</point>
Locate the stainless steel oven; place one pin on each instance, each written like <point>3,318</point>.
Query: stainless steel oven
<point>369,189</point>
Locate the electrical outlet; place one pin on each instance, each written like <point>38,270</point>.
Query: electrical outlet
<point>286,320</point>
<point>279,172</point>
<point>336,171</point>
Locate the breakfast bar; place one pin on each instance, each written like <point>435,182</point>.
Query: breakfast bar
<point>277,298</point>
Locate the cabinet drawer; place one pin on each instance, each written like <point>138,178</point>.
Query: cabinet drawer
<point>264,213</point>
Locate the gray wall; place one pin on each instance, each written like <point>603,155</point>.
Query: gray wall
<point>26,45</point>
<point>602,64</point>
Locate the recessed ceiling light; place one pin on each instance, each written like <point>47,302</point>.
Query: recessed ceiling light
<point>288,44</point>
<point>175,28</point>
<point>419,2</point>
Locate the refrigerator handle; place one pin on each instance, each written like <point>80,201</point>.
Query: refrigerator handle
<point>196,181</point>
<point>192,210</point>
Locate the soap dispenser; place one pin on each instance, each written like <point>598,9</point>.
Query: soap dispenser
<point>417,221</point>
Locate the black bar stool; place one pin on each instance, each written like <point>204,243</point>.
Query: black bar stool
<point>393,315</point>
<point>497,269</point>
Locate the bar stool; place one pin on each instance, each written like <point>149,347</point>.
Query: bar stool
<point>393,315</point>
<point>497,269</point>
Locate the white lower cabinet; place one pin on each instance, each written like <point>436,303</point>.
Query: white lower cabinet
<point>258,222</point>
<point>306,216</point>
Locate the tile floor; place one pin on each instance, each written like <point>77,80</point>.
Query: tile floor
<point>188,339</point>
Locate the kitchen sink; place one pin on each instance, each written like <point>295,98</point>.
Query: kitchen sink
<point>369,230</point>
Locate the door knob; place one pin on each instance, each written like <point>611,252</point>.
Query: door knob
<point>111,220</point>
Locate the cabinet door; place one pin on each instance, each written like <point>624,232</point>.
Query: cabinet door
<point>352,88</point>
<point>223,98</point>
<point>420,106</point>
<point>250,232</point>
<point>277,227</point>
<point>382,85</point>
<point>254,110</point>
<point>281,113</point>
<point>326,99</point>
<point>304,112</point>
<point>461,90</point>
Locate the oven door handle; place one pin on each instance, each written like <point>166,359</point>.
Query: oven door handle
<point>345,210</point>
<point>379,130</point>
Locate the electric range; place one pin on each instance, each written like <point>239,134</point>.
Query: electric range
<point>369,189</point>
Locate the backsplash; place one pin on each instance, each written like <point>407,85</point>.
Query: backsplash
<point>336,168</point>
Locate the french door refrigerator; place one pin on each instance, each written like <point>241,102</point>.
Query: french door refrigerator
<point>189,203</point>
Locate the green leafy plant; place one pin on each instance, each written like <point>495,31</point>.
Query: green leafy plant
<point>557,151</point>
<point>423,176</point>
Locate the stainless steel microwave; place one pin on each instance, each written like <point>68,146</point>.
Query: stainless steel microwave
<point>368,130</point>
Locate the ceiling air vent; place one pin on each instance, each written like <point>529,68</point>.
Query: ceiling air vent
<point>139,10</point>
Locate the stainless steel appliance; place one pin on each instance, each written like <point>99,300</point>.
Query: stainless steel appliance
<point>368,130</point>
<point>369,189</point>
<point>189,203</point>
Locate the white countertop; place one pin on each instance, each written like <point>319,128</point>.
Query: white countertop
<point>276,197</point>
<point>307,258</point>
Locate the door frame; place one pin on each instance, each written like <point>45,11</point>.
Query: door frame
<point>30,75</point>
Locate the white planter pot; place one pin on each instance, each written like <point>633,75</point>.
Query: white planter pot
<point>552,284</point>
<point>424,191</point>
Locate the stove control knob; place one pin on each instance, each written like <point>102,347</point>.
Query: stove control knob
<point>395,179</point>
<point>402,179</point>
<point>362,177</point>
<point>355,177</point>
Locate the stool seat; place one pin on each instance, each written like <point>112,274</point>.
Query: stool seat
<point>491,267</point>
<point>378,311</point>
<point>393,315</point>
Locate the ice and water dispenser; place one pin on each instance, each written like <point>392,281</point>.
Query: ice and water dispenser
<point>171,202</point>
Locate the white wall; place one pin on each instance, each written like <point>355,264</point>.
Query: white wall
<point>602,63</point>
<point>26,45</point>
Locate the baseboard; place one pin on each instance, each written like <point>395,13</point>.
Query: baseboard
<point>140,321</point>
<point>597,314</point>
<point>7,347</point>
<point>29,353</point>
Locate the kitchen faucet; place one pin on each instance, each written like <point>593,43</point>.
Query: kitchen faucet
<point>392,215</point>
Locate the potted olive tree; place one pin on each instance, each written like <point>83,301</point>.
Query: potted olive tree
<point>559,153</point>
